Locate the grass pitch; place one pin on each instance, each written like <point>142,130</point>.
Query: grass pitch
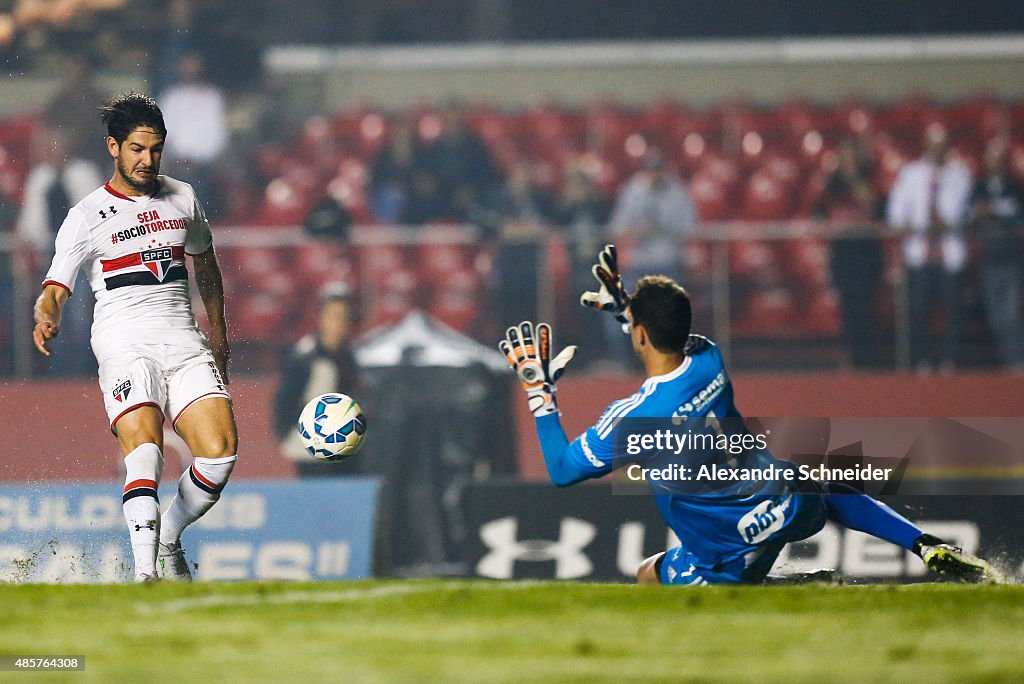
<point>479,631</point>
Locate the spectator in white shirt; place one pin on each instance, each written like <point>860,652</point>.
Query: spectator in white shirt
<point>196,107</point>
<point>654,214</point>
<point>928,206</point>
<point>56,182</point>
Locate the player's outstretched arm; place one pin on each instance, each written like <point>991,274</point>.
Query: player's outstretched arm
<point>528,350</point>
<point>211,290</point>
<point>47,312</point>
<point>611,296</point>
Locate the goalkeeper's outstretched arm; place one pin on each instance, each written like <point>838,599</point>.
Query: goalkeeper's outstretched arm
<point>558,452</point>
<point>528,350</point>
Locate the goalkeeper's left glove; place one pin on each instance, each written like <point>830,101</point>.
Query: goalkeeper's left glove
<point>611,296</point>
<point>530,358</point>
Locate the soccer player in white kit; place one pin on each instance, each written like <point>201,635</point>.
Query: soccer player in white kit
<point>132,236</point>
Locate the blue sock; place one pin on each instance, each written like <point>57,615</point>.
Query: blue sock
<point>860,512</point>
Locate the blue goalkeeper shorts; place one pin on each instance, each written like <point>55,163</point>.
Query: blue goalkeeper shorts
<point>679,566</point>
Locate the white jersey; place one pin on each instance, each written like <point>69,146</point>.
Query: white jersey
<point>134,251</point>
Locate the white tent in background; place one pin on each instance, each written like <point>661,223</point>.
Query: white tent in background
<point>419,340</point>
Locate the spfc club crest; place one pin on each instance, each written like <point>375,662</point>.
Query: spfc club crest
<point>122,390</point>
<point>158,261</point>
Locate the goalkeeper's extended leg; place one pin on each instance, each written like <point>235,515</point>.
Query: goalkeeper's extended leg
<point>860,512</point>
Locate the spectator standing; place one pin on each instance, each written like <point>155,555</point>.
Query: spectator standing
<point>522,212</point>
<point>319,363</point>
<point>581,211</point>
<point>55,183</point>
<point>654,214</point>
<point>460,164</point>
<point>72,111</point>
<point>391,173</point>
<point>857,262</point>
<point>928,206</point>
<point>196,105</point>
<point>997,211</point>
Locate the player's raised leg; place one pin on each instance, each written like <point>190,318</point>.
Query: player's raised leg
<point>208,428</point>
<point>140,433</point>
<point>860,512</point>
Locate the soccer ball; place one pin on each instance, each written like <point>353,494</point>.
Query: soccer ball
<point>332,427</point>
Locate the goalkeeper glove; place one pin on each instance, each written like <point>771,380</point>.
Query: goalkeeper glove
<point>611,296</point>
<point>532,362</point>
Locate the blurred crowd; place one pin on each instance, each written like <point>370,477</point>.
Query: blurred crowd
<point>918,203</point>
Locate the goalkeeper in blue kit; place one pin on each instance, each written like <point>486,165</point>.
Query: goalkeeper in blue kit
<point>730,532</point>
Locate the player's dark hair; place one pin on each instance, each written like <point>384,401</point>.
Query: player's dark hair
<point>663,308</point>
<point>128,111</point>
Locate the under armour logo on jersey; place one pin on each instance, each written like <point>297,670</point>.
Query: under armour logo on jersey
<point>505,550</point>
<point>150,525</point>
<point>110,209</point>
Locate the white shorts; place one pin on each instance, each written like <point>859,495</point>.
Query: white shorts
<point>170,378</point>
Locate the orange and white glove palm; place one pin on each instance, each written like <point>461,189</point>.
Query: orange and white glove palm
<point>528,351</point>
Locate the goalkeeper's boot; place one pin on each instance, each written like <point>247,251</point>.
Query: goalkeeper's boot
<point>952,561</point>
<point>171,563</point>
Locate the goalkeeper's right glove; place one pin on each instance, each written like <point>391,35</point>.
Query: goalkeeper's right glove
<point>611,296</point>
<point>530,358</point>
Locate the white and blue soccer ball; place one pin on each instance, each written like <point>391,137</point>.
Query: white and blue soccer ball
<point>332,427</point>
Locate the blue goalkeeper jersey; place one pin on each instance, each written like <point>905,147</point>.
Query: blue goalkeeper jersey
<point>717,525</point>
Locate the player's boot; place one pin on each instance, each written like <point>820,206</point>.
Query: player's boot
<point>953,561</point>
<point>146,578</point>
<point>171,563</point>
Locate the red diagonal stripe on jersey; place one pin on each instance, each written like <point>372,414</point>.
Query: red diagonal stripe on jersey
<point>135,484</point>
<point>177,252</point>
<point>199,476</point>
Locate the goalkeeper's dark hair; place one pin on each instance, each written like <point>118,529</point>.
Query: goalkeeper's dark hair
<point>128,111</point>
<point>663,308</point>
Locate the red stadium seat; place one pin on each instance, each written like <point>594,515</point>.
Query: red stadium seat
<point>754,260</point>
<point>764,199</point>
<point>436,260</point>
<point>262,317</point>
<point>806,200</point>
<point>807,262</point>
<point>908,118</point>
<point>821,316</point>
<point>320,262</point>
<point>697,258</point>
<point>845,117</point>
<point>725,170</point>
<point>393,297</point>
<point>285,202</point>
<point>769,312</point>
<point>890,158</point>
<point>456,300</point>
<point>710,196</point>
<point>376,261</point>
<point>492,124</point>
<point>1016,160</point>
<point>782,165</point>
<point>979,117</point>
<point>797,117</point>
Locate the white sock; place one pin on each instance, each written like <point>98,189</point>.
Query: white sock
<point>141,507</point>
<point>198,489</point>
